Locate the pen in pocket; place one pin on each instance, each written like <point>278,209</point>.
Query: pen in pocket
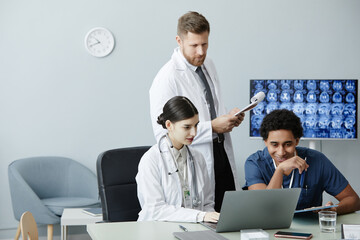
<point>302,176</point>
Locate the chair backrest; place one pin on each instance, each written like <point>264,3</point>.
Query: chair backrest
<point>116,172</point>
<point>52,176</point>
<point>48,177</point>
<point>28,227</point>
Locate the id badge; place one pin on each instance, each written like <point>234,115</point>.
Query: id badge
<point>187,198</point>
<point>186,194</point>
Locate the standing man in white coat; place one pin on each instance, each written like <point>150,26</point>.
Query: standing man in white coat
<point>190,73</point>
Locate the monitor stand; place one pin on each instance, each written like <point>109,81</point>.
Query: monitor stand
<point>312,144</point>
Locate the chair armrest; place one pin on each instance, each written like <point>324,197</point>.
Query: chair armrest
<point>25,199</point>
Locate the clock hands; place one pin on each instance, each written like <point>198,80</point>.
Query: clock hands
<point>94,44</point>
<point>97,42</point>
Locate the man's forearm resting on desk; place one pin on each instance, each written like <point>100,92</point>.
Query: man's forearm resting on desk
<point>348,201</point>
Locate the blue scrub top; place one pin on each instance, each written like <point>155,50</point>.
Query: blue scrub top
<point>321,175</point>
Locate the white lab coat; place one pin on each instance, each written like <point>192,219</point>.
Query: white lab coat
<point>160,193</point>
<point>176,79</point>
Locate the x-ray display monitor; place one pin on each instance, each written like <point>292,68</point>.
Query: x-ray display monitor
<point>327,108</point>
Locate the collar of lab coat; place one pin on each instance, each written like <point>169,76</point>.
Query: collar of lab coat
<point>180,63</point>
<point>164,148</point>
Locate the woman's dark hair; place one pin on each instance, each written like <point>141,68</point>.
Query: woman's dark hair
<point>177,109</point>
<point>281,119</point>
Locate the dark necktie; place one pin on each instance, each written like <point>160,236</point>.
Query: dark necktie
<point>208,94</point>
<point>209,98</point>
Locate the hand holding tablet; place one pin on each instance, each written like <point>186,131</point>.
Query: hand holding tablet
<point>315,208</point>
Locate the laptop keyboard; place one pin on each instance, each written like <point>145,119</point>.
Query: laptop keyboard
<point>211,225</point>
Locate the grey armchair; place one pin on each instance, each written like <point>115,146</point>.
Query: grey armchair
<point>46,185</point>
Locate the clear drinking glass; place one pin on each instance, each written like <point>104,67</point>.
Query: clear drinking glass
<point>327,221</point>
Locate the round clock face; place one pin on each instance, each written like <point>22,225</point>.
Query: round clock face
<point>99,42</point>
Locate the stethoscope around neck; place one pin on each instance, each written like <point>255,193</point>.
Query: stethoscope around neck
<point>195,199</point>
<point>292,173</point>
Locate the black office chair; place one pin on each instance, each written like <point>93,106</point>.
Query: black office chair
<point>116,172</point>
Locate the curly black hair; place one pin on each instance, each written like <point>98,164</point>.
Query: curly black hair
<point>281,119</point>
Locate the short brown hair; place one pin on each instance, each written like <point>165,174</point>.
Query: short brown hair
<point>192,22</point>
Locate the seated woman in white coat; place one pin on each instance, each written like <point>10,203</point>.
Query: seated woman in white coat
<point>173,182</point>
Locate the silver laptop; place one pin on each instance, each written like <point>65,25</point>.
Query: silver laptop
<point>265,209</point>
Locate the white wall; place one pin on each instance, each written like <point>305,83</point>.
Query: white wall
<point>56,99</point>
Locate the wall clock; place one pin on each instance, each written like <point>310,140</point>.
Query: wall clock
<point>99,42</point>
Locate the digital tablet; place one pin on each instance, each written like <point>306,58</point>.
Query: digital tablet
<point>247,108</point>
<point>315,208</point>
<point>254,101</point>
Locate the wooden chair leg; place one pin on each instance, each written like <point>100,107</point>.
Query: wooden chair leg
<point>18,231</point>
<point>50,231</point>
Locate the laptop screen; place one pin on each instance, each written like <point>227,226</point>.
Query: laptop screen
<point>265,209</point>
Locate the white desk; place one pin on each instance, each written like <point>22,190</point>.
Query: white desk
<point>75,217</point>
<point>163,230</point>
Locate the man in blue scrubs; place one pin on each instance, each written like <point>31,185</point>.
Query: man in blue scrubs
<point>283,164</point>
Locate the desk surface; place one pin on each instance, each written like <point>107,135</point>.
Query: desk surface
<point>76,216</point>
<point>163,230</point>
